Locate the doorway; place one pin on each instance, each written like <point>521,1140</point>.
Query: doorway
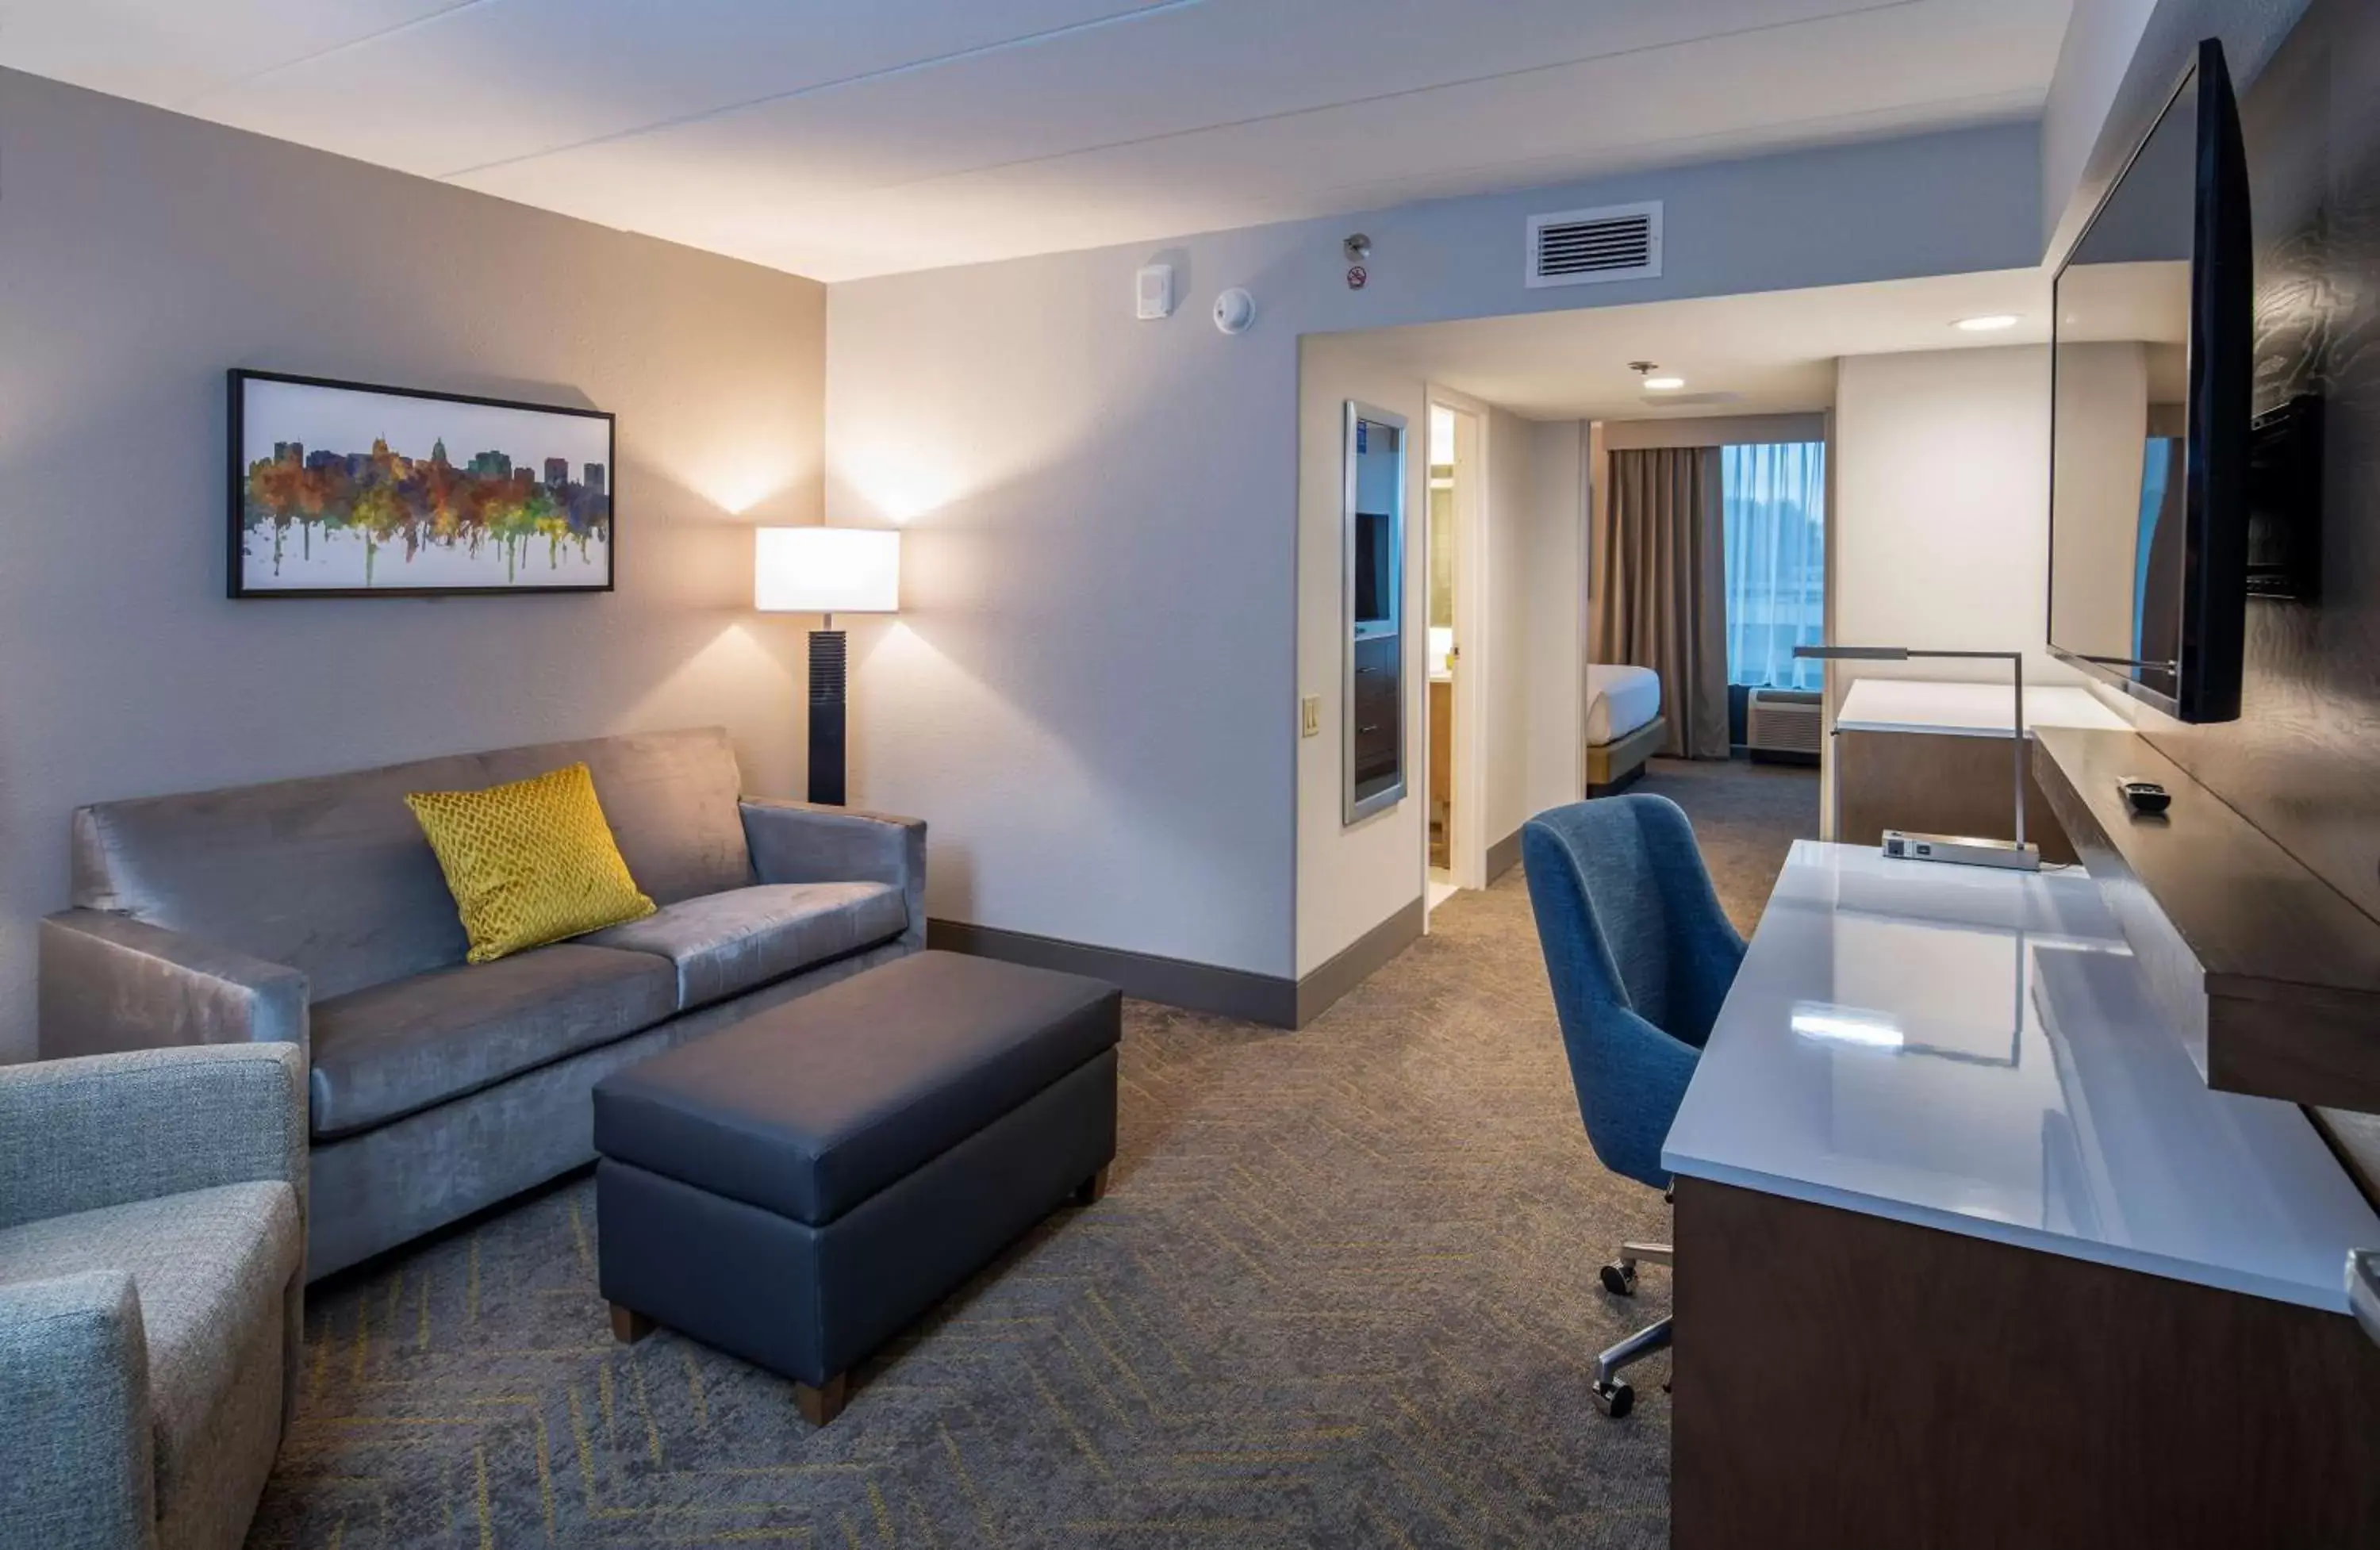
<point>1455,496</point>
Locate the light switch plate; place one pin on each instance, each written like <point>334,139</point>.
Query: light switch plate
<point>1309,716</point>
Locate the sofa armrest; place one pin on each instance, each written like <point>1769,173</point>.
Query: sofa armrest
<point>102,1130</point>
<point>109,982</point>
<point>803,843</point>
<point>74,1405</point>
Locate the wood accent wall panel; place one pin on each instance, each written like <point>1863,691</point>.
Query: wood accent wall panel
<point>1937,783</point>
<point>2246,948</point>
<point>1843,1381</point>
<point>2303,762</point>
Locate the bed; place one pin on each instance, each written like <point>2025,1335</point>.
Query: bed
<point>1623,724</point>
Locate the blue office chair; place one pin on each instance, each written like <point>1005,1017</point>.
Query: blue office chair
<point>1641,957</point>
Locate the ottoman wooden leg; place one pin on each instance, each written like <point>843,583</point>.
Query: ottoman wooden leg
<point>628,1325</point>
<point>823,1403</point>
<point>1089,1191</point>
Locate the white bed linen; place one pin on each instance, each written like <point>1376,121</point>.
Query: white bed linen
<point>1619,700</point>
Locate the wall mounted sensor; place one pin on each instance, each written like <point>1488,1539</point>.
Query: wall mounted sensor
<point>1235,310</point>
<point>1153,292</point>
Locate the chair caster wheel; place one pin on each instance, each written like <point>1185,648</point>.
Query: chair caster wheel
<point>1620,1279</point>
<point>1614,1400</point>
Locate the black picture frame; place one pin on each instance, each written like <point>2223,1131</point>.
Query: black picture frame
<point>238,467</point>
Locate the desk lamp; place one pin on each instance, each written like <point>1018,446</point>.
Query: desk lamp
<point>2010,855</point>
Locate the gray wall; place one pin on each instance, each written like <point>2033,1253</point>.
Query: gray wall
<point>2117,65</point>
<point>1716,430</point>
<point>1555,589</point>
<point>1092,691</point>
<point>1511,632</point>
<point>142,254</point>
<point>2101,36</point>
<point>1350,877</point>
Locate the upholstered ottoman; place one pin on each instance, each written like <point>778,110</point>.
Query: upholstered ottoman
<point>797,1188</point>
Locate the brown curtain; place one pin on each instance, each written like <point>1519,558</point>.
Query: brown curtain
<point>1660,588</point>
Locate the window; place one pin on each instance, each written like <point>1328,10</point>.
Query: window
<point>1774,496</point>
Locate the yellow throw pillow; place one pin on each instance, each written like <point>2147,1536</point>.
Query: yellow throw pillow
<point>528,862</point>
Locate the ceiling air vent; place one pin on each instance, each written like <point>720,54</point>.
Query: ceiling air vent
<point>1580,247</point>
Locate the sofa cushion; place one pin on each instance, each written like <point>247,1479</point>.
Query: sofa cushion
<point>212,1268</point>
<point>395,1049</point>
<point>809,1108</point>
<point>725,943</point>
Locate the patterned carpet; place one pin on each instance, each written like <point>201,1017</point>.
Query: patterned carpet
<point>1746,816</point>
<point>1341,1294</point>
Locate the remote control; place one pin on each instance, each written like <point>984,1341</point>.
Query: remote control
<point>2145,798</point>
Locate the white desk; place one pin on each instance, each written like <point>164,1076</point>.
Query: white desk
<point>1968,1255</point>
<point>1918,754</point>
<point>1967,709</point>
<point>1973,1051</point>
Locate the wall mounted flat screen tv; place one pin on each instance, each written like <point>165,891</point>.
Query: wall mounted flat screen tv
<point>1375,575</point>
<point>2150,394</point>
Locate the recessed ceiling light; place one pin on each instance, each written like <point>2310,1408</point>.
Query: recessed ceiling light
<point>1664,385</point>
<point>1991,322</point>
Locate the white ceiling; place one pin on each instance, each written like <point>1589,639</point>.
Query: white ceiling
<point>846,138</point>
<point>1771,353</point>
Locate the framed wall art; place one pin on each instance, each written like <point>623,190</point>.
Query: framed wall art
<point>344,490</point>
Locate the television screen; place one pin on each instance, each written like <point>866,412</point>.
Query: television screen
<point>2150,372</point>
<point>2121,431</point>
<point>1375,570</point>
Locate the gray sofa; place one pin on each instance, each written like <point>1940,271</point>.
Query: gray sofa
<point>313,911</point>
<point>152,1230</point>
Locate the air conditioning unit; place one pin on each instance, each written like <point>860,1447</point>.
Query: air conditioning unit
<point>1783,726</point>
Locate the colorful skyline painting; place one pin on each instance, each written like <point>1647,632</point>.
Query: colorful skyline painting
<point>342,489</point>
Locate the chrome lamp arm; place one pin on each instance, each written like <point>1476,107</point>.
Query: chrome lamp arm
<point>2021,854</point>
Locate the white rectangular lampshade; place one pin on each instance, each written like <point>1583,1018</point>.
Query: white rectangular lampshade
<point>827,570</point>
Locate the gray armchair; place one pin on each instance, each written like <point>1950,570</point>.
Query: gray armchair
<point>112,983</point>
<point>152,1256</point>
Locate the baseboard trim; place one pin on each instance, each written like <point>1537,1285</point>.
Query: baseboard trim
<point>1358,962</point>
<point>1272,999</point>
<point>1613,788</point>
<point>1504,855</point>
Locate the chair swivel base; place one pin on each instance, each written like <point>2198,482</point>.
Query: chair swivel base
<point>1611,1393</point>
<point>1619,1275</point>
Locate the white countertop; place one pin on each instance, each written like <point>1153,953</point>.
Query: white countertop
<point>1975,1051</point>
<point>1967,709</point>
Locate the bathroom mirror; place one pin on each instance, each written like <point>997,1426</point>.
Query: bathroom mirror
<point>1373,504</point>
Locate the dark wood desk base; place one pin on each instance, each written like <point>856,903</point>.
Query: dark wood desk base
<point>1937,784</point>
<point>1844,1381</point>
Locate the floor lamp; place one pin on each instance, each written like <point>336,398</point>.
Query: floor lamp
<point>825,570</point>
